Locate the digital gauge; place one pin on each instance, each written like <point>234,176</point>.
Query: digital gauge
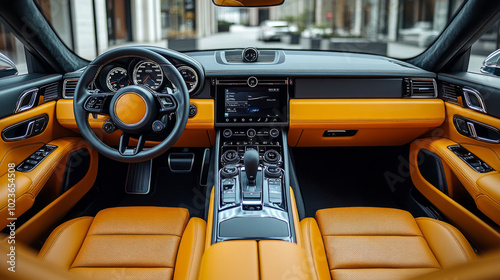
<point>117,78</point>
<point>149,74</point>
<point>190,77</point>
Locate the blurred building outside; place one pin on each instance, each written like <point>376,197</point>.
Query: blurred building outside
<point>90,27</point>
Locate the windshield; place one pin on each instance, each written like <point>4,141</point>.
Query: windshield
<point>396,28</point>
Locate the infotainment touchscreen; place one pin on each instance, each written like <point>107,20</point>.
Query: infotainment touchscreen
<point>240,102</point>
<point>263,104</point>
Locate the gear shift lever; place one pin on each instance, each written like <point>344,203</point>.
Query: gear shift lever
<point>251,160</point>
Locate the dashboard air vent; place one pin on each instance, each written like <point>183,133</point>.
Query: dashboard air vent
<point>419,88</point>
<point>265,56</point>
<point>451,92</point>
<point>50,92</point>
<point>69,87</point>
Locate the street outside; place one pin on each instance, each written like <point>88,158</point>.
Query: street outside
<point>243,36</point>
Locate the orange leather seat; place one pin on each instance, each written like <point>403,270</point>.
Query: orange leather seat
<point>129,243</point>
<point>380,243</point>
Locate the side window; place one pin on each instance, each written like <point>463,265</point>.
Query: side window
<point>12,56</point>
<point>484,47</point>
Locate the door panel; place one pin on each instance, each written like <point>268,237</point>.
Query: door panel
<point>38,189</point>
<point>473,202</point>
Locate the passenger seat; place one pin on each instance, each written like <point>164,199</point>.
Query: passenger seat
<point>380,243</point>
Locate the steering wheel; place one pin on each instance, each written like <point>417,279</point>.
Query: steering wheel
<point>132,109</point>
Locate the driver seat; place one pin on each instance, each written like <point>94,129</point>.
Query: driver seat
<point>129,243</point>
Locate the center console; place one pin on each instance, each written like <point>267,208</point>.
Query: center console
<point>252,193</point>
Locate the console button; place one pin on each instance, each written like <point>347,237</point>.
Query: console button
<point>271,156</point>
<point>251,133</point>
<point>273,171</point>
<point>228,172</point>
<point>274,132</point>
<point>230,156</point>
<point>227,133</point>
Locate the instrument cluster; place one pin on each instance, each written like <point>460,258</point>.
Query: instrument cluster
<point>122,73</point>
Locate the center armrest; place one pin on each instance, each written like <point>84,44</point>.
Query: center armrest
<point>251,260</point>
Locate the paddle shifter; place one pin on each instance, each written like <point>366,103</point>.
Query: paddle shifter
<point>251,160</point>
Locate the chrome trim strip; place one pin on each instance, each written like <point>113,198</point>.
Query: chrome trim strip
<point>20,100</point>
<point>466,91</point>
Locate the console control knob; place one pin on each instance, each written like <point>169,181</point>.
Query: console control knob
<point>227,133</point>
<point>230,156</point>
<point>158,126</point>
<point>271,156</point>
<point>229,171</point>
<point>273,171</point>
<point>274,132</point>
<point>251,133</point>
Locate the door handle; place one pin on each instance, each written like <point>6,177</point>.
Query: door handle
<point>25,129</point>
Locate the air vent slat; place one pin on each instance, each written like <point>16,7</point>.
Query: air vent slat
<point>451,92</point>
<point>50,92</point>
<point>69,88</point>
<point>419,88</point>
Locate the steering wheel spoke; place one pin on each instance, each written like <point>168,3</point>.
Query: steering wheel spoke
<point>123,148</point>
<point>167,103</point>
<point>98,103</point>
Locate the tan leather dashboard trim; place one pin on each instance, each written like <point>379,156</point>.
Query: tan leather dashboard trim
<point>199,130</point>
<point>380,122</point>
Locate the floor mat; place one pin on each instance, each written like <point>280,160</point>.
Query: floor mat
<point>168,189</point>
<point>345,177</point>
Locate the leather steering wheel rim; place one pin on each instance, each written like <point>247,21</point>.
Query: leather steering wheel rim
<point>88,77</point>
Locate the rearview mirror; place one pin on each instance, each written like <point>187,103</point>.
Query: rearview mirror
<point>491,64</point>
<point>247,3</point>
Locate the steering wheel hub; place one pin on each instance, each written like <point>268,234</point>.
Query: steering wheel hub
<point>133,109</point>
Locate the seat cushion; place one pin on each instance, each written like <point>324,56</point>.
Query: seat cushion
<point>381,243</point>
<point>129,243</point>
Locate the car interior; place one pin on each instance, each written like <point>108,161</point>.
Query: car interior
<point>150,163</point>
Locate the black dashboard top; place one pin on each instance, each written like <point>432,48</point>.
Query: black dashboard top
<point>306,63</point>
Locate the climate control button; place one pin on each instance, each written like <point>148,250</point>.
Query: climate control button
<point>251,133</point>
<point>274,132</point>
<point>227,133</point>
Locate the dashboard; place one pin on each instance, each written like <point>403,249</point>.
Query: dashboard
<point>321,98</point>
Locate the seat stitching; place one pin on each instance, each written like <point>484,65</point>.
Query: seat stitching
<point>432,251</point>
<point>97,266</point>
<point>345,268</point>
<point>60,233</point>
<point>86,235</point>
<point>381,235</point>
<point>445,226</point>
<point>133,234</point>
